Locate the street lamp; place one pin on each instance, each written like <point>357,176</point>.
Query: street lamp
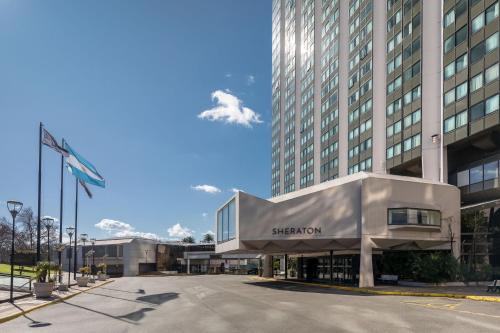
<point>92,241</point>
<point>70,231</point>
<point>14,208</point>
<point>48,224</point>
<point>84,238</point>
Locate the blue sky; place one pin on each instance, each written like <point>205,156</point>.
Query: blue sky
<point>126,83</point>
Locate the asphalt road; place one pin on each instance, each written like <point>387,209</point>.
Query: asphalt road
<point>239,304</point>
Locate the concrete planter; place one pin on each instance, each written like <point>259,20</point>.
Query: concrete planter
<point>82,281</point>
<point>91,280</point>
<point>102,277</point>
<point>43,289</point>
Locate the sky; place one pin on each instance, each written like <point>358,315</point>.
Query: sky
<point>170,100</point>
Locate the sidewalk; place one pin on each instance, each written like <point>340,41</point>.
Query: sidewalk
<point>471,293</point>
<point>22,306</point>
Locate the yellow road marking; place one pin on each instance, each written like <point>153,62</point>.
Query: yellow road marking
<point>450,307</point>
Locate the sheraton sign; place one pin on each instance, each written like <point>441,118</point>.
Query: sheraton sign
<point>297,231</point>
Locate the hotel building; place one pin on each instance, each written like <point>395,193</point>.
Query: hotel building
<point>386,89</point>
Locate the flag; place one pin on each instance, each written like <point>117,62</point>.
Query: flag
<point>49,141</point>
<point>85,187</point>
<point>83,169</point>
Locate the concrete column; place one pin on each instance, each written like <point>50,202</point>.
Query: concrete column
<point>189,266</point>
<point>300,268</point>
<point>268,266</point>
<point>286,266</point>
<point>331,266</point>
<point>365,263</point>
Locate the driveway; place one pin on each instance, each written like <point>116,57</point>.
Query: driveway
<point>240,304</point>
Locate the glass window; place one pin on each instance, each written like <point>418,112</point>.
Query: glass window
<point>390,152</point>
<point>398,216</point>
<point>416,140</point>
<point>491,73</point>
<point>416,116</point>
<point>407,144</point>
<point>449,18</point>
<point>232,219</point>
<point>407,98</point>
<point>461,119</point>
<point>476,174</point>
<point>449,71</point>
<point>491,170</point>
<point>463,178</point>
<point>225,223</point>
<point>219,225</point>
<point>461,35</point>
<point>478,23</point>
<point>492,42</point>
<point>407,121</point>
<point>476,82</point>
<point>477,111</point>
<point>449,97</point>
<point>461,63</point>
<point>390,131</point>
<point>461,91</point>
<point>449,44</point>
<point>397,149</point>
<point>491,104</point>
<point>397,127</point>
<point>449,124</point>
<point>491,13</point>
<point>477,53</point>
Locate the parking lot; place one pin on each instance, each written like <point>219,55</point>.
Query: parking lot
<point>225,303</point>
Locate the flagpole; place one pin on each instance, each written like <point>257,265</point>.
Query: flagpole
<point>61,209</point>
<point>38,224</point>
<point>76,229</point>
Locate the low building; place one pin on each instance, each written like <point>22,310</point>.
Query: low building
<point>353,216</point>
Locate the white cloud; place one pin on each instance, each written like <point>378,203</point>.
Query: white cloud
<point>50,217</point>
<point>179,231</point>
<point>250,79</point>
<point>230,109</point>
<point>122,229</point>
<point>204,214</point>
<point>206,188</point>
<point>210,232</point>
<point>228,75</point>
<point>236,190</point>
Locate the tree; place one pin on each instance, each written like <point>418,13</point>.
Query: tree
<point>28,222</point>
<point>189,239</point>
<point>208,238</point>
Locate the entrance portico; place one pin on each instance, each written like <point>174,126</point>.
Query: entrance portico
<point>358,213</point>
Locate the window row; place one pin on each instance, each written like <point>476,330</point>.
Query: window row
<point>480,173</point>
<point>456,121</point>
<point>331,133</point>
<point>329,165</point>
<point>413,216</point>
<point>330,149</point>
<point>364,165</point>
<point>459,9</point>
<point>363,146</point>
<point>411,119</point>
<point>363,108</point>
<point>486,17</point>
<point>363,127</point>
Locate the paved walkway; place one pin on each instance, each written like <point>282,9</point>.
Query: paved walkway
<point>27,304</point>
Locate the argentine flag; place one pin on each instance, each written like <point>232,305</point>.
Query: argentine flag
<point>82,169</point>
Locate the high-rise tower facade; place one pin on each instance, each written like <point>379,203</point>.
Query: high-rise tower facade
<point>403,87</point>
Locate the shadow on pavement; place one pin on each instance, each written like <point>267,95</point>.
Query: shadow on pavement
<point>303,288</point>
<point>158,299</point>
<point>137,315</point>
<point>100,312</point>
<point>33,323</point>
<point>139,291</point>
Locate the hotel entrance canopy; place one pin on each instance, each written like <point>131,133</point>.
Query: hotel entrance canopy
<point>360,212</point>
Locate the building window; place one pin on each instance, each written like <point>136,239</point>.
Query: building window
<point>226,222</point>
<point>476,82</point>
<point>414,216</point>
<point>491,73</point>
<point>491,104</point>
<point>476,175</point>
<point>449,18</point>
<point>491,170</point>
<point>478,23</point>
<point>463,178</point>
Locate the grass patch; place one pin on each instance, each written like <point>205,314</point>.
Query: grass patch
<point>26,270</point>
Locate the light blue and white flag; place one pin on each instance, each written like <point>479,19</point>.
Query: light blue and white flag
<point>82,169</point>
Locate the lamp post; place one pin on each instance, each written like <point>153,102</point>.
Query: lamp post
<point>14,208</point>
<point>48,221</point>
<point>92,241</point>
<point>147,251</point>
<point>84,238</point>
<point>70,231</point>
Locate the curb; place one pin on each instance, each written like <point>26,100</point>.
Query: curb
<point>58,300</point>
<point>389,293</point>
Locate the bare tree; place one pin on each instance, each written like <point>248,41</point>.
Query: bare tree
<point>28,222</point>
